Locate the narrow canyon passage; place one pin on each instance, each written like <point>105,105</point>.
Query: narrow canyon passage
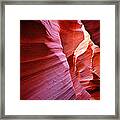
<point>59,60</point>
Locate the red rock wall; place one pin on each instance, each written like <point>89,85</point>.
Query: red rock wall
<point>49,67</point>
<point>93,27</point>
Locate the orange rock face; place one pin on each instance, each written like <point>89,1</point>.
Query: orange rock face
<point>58,61</point>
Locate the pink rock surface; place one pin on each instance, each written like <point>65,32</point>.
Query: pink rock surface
<point>48,70</point>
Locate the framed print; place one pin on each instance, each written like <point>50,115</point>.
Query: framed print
<point>60,59</point>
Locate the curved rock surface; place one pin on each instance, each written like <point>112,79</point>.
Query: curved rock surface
<point>57,60</point>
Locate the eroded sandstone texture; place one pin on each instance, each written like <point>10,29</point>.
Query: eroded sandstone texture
<point>59,60</point>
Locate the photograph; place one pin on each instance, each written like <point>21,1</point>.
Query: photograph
<point>60,59</point>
